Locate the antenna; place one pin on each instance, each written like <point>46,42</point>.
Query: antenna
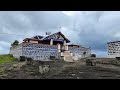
<point>48,33</point>
<point>60,29</point>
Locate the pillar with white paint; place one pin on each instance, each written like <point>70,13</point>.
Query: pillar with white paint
<point>51,42</point>
<point>59,48</point>
<point>66,47</point>
<point>64,42</point>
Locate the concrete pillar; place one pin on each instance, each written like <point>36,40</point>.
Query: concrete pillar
<point>59,48</point>
<point>66,47</point>
<point>64,42</point>
<point>51,42</point>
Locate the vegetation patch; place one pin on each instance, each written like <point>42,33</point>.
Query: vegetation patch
<point>7,58</point>
<point>2,71</point>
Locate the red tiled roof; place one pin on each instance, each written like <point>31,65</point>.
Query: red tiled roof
<point>55,34</point>
<point>31,39</point>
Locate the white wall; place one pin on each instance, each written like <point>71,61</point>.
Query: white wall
<point>31,41</point>
<point>16,51</point>
<point>113,47</point>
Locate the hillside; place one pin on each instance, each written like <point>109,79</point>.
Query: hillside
<point>10,68</point>
<point>58,70</point>
<point>7,58</point>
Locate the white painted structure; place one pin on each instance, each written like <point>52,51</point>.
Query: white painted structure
<point>53,45</point>
<point>113,49</point>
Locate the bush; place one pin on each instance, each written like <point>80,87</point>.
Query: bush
<point>15,43</point>
<point>93,55</point>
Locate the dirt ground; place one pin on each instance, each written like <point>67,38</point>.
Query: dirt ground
<point>61,70</point>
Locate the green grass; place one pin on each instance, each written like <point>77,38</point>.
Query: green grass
<point>2,71</point>
<point>7,58</point>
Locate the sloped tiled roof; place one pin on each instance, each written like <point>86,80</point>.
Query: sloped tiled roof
<point>38,37</point>
<point>52,35</point>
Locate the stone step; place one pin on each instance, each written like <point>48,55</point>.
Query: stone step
<point>68,58</point>
<point>67,53</point>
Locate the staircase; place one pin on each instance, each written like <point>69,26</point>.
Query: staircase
<point>68,57</point>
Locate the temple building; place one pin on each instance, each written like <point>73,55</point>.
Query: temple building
<point>55,45</point>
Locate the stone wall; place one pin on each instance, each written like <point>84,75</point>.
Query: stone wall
<point>16,51</point>
<point>40,51</point>
<point>43,52</point>
<point>79,52</point>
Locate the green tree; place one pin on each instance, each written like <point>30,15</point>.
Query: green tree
<point>93,55</point>
<point>15,43</point>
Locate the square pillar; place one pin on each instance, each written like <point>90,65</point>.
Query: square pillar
<point>64,42</point>
<point>59,48</point>
<point>66,47</point>
<point>51,42</point>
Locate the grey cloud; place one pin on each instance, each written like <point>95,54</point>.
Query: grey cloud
<point>88,28</point>
<point>98,28</point>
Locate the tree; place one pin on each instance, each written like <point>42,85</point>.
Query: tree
<point>15,43</point>
<point>93,55</point>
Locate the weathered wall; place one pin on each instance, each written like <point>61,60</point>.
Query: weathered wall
<point>79,52</point>
<point>113,49</point>
<point>43,51</point>
<point>40,51</point>
<point>16,51</point>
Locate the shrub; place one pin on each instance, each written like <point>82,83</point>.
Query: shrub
<point>15,43</point>
<point>93,55</point>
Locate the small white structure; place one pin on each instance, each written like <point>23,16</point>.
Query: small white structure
<point>113,49</point>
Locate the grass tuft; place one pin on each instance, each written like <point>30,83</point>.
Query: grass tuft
<point>7,58</point>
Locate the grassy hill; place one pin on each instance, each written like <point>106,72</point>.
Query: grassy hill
<point>6,58</point>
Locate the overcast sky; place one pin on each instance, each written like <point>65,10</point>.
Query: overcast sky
<point>88,28</point>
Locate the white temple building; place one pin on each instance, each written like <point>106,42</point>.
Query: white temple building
<point>55,45</point>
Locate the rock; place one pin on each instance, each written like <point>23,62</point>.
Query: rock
<point>1,70</point>
<point>78,77</point>
<point>44,69</point>
<point>81,72</point>
<point>73,74</point>
<point>9,69</point>
<point>15,65</point>
<point>40,70</point>
<point>19,65</point>
<point>3,75</point>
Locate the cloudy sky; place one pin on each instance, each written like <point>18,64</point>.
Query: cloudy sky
<point>88,28</point>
